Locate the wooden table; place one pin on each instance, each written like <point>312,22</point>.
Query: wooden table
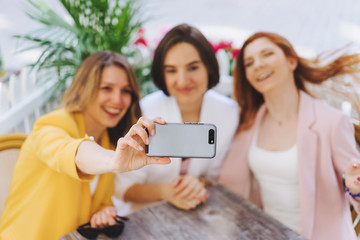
<point>223,216</point>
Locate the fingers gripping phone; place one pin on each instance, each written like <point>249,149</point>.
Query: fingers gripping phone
<point>184,140</point>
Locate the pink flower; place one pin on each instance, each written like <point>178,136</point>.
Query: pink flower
<point>141,41</point>
<point>141,31</point>
<point>235,52</point>
<point>214,46</point>
<point>226,45</point>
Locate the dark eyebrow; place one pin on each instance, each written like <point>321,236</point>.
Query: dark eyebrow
<point>194,62</point>
<point>168,66</point>
<point>188,64</point>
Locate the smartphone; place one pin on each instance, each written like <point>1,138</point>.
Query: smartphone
<point>183,140</point>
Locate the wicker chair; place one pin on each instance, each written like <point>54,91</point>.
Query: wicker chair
<point>354,214</point>
<point>10,145</point>
<point>356,221</point>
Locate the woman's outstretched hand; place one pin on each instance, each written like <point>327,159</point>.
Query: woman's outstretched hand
<point>352,181</point>
<point>129,155</point>
<point>130,152</point>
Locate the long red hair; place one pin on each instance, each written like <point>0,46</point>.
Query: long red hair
<point>307,70</point>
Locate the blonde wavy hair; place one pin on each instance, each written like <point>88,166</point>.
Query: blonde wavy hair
<point>86,85</point>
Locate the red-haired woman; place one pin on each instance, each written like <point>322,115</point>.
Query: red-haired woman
<point>291,150</point>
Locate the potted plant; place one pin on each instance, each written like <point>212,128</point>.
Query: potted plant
<point>95,25</point>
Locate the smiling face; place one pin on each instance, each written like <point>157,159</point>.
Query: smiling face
<point>185,74</point>
<point>266,66</point>
<point>111,102</point>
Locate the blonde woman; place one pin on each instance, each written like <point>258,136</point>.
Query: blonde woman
<point>64,175</point>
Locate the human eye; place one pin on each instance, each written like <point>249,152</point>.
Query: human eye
<point>193,67</point>
<point>268,53</point>
<point>170,70</point>
<point>127,91</point>
<point>105,88</point>
<point>248,63</point>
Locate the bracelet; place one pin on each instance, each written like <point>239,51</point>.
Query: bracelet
<point>353,195</point>
<point>347,190</point>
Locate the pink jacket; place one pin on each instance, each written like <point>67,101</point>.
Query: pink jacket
<point>325,143</point>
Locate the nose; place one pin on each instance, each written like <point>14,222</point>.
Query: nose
<point>117,98</point>
<point>183,78</point>
<point>259,63</point>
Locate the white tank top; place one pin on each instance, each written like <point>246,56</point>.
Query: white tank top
<point>276,172</point>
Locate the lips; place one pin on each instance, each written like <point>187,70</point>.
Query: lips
<point>185,90</point>
<point>112,111</point>
<point>264,76</point>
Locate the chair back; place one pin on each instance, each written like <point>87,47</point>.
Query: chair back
<point>357,133</point>
<point>356,221</point>
<point>355,216</point>
<point>10,145</point>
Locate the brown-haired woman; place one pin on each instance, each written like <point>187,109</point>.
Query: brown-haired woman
<point>184,69</point>
<point>291,150</point>
<point>63,177</point>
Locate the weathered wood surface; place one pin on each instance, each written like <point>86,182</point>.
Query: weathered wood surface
<point>223,216</point>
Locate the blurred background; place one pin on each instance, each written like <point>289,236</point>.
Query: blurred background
<point>56,35</point>
<point>312,26</point>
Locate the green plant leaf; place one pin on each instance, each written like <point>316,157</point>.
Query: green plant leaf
<point>95,25</point>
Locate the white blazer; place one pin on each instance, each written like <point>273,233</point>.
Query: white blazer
<point>216,108</point>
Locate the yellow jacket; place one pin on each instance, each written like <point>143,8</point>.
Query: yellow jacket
<point>48,198</point>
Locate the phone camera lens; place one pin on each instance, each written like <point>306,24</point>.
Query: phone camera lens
<point>211,136</point>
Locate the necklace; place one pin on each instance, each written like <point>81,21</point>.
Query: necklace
<point>282,121</point>
<point>289,115</point>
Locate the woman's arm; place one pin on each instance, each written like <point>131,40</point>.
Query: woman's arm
<point>352,182</point>
<point>129,154</point>
<point>346,157</point>
<point>147,193</point>
<point>91,158</point>
<point>186,193</point>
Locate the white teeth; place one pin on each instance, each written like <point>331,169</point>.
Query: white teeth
<point>112,110</point>
<point>264,76</point>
